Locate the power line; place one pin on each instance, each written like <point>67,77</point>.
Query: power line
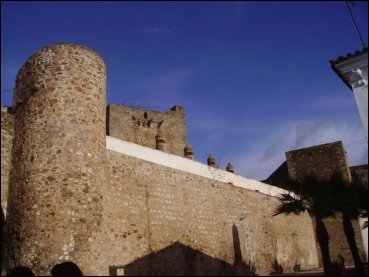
<point>355,25</point>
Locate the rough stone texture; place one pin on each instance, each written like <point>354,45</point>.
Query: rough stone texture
<point>70,199</point>
<point>279,177</point>
<point>55,207</point>
<point>7,130</point>
<point>142,126</point>
<point>338,244</point>
<point>321,161</point>
<point>155,211</point>
<point>361,171</point>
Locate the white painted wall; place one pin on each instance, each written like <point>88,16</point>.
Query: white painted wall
<point>361,97</point>
<point>355,72</point>
<point>187,165</point>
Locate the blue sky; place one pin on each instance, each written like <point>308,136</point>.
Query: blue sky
<point>254,77</point>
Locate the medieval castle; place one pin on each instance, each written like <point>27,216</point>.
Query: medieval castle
<point>116,190</point>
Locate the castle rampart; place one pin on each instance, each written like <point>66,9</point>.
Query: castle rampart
<point>134,202</point>
<point>158,200</point>
<point>189,166</point>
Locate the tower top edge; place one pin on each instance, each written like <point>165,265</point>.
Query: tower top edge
<point>69,45</point>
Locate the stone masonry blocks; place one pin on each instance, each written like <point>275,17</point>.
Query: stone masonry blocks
<point>321,161</point>
<point>59,142</point>
<point>7,128</point>
<point>152,207</point>
<point>142,126</point>
<point>71,199</point>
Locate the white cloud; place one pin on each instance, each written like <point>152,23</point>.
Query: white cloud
<point>268,155</point>
<point>336,101</point>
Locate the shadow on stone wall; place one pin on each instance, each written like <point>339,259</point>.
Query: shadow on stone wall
<point>2,240</point>
<point>180,260</point>
<point>277,268</point>
<point>20,271</point>
<point>62,269</point>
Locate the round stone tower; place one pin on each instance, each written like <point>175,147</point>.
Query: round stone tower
<point>55,201</point>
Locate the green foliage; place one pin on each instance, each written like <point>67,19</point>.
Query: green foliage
<point>322,199</point>
<point>289,205</point>
<point>349,198</point>
<point>310,195</point>
<point>314,197</point>
<point>325,197</point>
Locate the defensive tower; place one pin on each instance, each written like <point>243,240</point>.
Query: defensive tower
<point>55,199</point>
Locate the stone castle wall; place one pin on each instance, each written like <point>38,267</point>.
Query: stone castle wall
<point>142,126</point>
<point>338,244</point>
<point>151,207</point>
<point>323,161</point>
<point>320,161</point>
<point>279,177</point>
<point>73,199</point>
<point>55,206</point>
<point>7,130</point>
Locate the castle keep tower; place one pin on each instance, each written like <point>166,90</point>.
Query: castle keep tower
<point>55,199</point>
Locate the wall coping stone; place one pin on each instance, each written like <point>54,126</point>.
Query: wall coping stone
<point>190,166</point>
